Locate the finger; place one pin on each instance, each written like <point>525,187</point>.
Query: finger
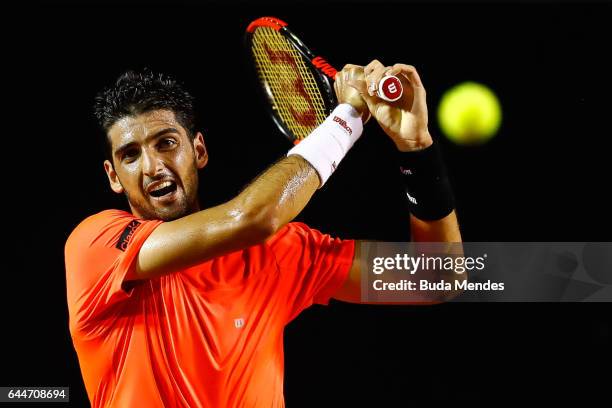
<point>337,82</point>
<point>361,87</point>
<point>348,69</point>
<point>410,73</point>
<point>374,77</point>
<point>351,66</point>
<point>372,66</point>
<point>337,87</point>
<point>355,74</point>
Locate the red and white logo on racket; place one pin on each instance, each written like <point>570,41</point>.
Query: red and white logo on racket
<point>390,88</point>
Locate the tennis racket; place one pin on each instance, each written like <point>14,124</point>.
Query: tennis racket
<point>296,82</point>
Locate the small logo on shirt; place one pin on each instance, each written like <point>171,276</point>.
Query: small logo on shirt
<point>126,235</point>
<point>238,323</point>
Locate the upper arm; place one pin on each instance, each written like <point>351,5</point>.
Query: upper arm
<point>350,291</point>
<point>444,230</point>
<point>197,237</point>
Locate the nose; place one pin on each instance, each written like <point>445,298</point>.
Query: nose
<point>152,163</point>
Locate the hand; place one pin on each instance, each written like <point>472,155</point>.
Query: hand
<point>348,94</point>
<point>405,121</point>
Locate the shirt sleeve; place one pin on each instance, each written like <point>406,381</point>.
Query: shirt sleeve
<point>100,254</point>
<point>312,265</point>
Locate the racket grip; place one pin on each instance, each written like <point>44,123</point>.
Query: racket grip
<point>390,88</point>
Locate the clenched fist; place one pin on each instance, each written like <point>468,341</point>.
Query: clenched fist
<point>404,121</point>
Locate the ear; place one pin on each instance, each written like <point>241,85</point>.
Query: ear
<point>200,150</point>
<point>113,179</point>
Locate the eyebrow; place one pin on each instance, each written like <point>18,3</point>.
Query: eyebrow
<point>154,136</point>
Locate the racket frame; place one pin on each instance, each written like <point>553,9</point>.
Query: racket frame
<point>322,71</point>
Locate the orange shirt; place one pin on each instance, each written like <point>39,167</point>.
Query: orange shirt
<point>206,336</point>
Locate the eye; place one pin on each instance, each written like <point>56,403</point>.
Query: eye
<point>130,154</point>
<point>166,143</point>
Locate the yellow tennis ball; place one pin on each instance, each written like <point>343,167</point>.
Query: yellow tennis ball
<point>469,113</point>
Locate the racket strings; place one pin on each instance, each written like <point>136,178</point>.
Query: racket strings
<point>291,86</point>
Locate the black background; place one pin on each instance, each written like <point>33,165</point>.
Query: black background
<point>543,178</point>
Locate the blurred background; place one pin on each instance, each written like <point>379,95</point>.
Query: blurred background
<point>543,176</point>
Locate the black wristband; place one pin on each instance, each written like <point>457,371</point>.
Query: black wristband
<point>428,191</point>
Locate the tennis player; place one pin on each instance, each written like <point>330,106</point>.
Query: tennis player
<point>172,305</point>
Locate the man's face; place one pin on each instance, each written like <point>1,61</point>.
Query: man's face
<point>155,163</point>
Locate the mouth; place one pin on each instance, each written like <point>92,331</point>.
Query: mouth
<point>163,191</point>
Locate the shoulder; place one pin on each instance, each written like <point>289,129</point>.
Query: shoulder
<point>102,245</point>
<point>102,218</point>
<point>107,225</point>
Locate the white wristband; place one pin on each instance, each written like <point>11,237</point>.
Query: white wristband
<point>325,147</point>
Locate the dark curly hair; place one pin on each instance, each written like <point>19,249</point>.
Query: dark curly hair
<point>138,92</point>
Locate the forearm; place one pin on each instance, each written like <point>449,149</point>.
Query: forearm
<point>279,194</point>
<point>269,202</point>
<point>442,230</point>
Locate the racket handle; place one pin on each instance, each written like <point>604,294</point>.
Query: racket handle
<point>390,88</point>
